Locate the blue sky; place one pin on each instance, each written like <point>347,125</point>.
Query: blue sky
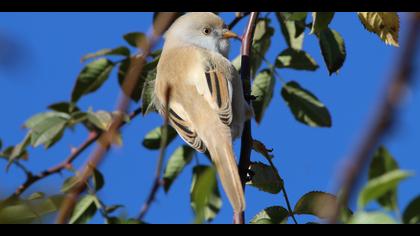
<point>48,62</point>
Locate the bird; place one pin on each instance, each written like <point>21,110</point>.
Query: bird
<point>206,106</point>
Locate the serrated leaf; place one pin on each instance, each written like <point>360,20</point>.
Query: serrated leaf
<point>378,186</point>
<point>153,138</point>
<point>178,160</point>
<point>261,43</point>
<point>411,213</point>
<point>371,218</point>
<point>271,215</point>
<point>262,149</point>
<point>296,59</point>
<point>292,30</point>
<point>384,24</point>
<point>264,178</point>
<point>305,106</point>
<point>320,21</point>
<point>381,164</point>
<point>333,49</point>
<point>84,210</point>
<point>98,180</point>
<point>119,51</point>
<point>136,39</point>
<point>320,204</point>
<point>205,195</point>
<point>262,89</point>
<point>91,78</point>
<point>49,130</point>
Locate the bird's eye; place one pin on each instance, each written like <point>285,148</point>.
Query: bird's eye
<point>206,30</point>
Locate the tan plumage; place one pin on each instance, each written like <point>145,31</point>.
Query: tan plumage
<point>207,106</point>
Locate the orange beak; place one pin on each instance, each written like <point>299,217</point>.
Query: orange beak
<point>229,34</point>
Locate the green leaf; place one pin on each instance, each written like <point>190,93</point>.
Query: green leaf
<point>382,163</point>
<point>264,178</point>
<point>262,89</point>
<point>36,196</point>
<point>261,43</point>
<point>296,59</point>
<point>295,16</point>
<point>320,21</point>
<point>292,30</point>
<point>40,117</point>
<point>101,119</point>
<point>153,138</point>
<point>28,211</point>
<point>84,210</point>
<point>333,49</point>
<point>147,93</point>
<point>260,147</point>
<point>411,213</point>
<point>384,24</point>
<point>19,151</point>
<point>64,107</point>
<point>148,73</point>
<point>305,106</point>
<point>98,180</point>
<point>205,195</point>
<point>320,204</point>
<point>371,218</point>
<point>136,39</point>
<point>179,159</point>
<point>377,187</point>
<point>48,130</point>
<point>271,215</point>
<point>120,51</point>
<point>91,78</point>
<point>111,209</point>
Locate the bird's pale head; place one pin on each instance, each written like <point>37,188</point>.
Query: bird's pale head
<point>202,29</point>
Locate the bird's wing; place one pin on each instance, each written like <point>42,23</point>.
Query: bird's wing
<point>217,90</point>
<point>179,120</point>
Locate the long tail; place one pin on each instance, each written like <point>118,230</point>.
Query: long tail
<point>221,152</point>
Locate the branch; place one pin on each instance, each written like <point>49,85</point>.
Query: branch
<point>386,114</point>
<point>246,140</point>
<point>163,143</point>
<point>97,156</point>
<point>32,179</point>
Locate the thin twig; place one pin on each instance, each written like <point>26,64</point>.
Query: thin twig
<point>246,139</point>
<point>163,143</point>
<point>32,179</point>
<point>283,188</point>
<point>386,115</point>
<point>237,19</point>
<point>97,156</point>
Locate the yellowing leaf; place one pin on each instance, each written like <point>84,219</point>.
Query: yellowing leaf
<point>385,24</point>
